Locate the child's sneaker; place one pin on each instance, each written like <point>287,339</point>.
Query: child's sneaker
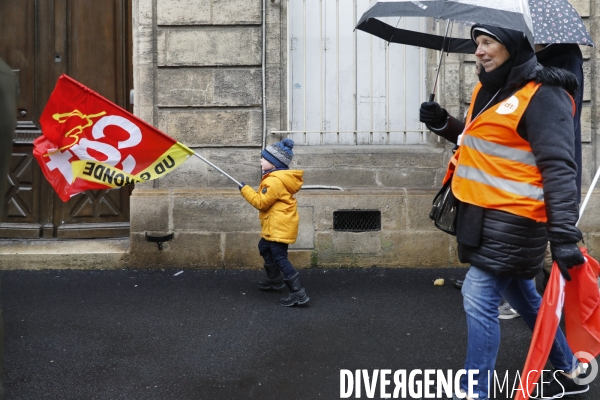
<point>559,386</point>
<point>458,283</point>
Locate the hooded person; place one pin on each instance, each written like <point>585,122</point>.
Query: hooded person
<point>9,90</point>
<point>278,215</point>
<point>568,56</point>
<point>565,56</point>
<point>514,175</point>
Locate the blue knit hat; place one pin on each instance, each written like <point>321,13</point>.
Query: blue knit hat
<point>279,154</point>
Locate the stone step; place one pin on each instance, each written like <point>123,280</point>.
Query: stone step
<point>63,254</point>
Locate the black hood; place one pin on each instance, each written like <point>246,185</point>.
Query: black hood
<point>559,51</point>
<point>515,42</point>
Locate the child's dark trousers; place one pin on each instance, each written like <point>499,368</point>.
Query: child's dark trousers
<point>276,253</point>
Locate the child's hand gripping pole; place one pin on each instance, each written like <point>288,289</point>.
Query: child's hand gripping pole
<point>217,168</point>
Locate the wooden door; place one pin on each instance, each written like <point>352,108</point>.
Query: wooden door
<point>91,42</point>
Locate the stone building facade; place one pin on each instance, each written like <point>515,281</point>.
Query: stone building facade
<point>199,67</point>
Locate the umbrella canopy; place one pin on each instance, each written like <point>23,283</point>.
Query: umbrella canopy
<point>511,14</point>
<point>556,21</point>
<point>552,21</point>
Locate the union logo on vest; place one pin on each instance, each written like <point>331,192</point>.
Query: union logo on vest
<point>509,106</point>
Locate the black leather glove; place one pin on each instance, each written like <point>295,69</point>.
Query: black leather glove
<point>242,184</point>
<point>432,114</point>
<point>566,255</point>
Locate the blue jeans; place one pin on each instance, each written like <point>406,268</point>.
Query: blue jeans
<point>276,253</point>
<point>482,291</point>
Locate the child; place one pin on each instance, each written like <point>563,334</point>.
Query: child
<point>277,211</point>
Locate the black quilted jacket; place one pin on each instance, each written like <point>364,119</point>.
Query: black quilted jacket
<point>512,245</point>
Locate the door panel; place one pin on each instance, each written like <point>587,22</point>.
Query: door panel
<point>96,52</point>
<point>23,175</point>
<point>91,42</point>
<point>17,49</point>
<point>105,213</point>
<point>22,219</point>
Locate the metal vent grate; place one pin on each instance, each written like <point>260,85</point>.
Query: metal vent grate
<point>357,220</point>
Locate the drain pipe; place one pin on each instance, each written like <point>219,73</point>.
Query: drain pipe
<point>322,187</point>
<point>264,84</point>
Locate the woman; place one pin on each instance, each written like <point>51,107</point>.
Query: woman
<point>514,174</point>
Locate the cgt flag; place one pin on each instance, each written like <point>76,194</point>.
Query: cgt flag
<point>89,143</point>
<point>582,308</point>
<point>581,300</point>
<point>544,332</point>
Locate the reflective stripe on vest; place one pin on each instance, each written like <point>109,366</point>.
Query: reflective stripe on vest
<point>522,189</point>
<point>498,150</point>
<point>496,168</point>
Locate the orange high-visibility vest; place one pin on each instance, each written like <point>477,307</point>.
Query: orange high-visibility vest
<point>496,168</point>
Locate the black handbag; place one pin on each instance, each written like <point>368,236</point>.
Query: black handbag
<point>445,209</point>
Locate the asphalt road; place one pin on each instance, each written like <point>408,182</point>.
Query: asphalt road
<point>130,334</point>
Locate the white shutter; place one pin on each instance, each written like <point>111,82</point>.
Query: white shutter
<point>349,87</point>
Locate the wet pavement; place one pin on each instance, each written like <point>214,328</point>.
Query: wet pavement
<point>127,334</point>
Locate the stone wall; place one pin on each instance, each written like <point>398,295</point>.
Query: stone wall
<point>198,77</point>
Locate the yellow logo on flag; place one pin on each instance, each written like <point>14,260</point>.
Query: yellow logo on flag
<point>78,130</point>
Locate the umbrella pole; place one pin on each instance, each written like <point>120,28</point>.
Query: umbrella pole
<point>588,194</point>
<point>217,168</point>
<point>437,73</point>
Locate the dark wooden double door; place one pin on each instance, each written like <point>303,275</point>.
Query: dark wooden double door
<point>91,42</point>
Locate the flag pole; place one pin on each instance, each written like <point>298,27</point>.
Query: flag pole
<point>588,194</point>
<point>217,168</point>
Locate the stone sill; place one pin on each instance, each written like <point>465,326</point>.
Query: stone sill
<point>64,247</point>
<point>366,149</point>
<point>216,192</point>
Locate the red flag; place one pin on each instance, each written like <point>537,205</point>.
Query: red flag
<point>582,308</point>
<point>581,298</point>
<point>89,142</point>
<point>543,334</point>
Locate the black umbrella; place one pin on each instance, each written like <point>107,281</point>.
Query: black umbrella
<point>553,21</point>
<point>404,36</point>
<point>556,21</point>
<point>510,14</point>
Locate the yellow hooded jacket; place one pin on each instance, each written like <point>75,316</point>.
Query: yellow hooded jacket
<point>276,204</point>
